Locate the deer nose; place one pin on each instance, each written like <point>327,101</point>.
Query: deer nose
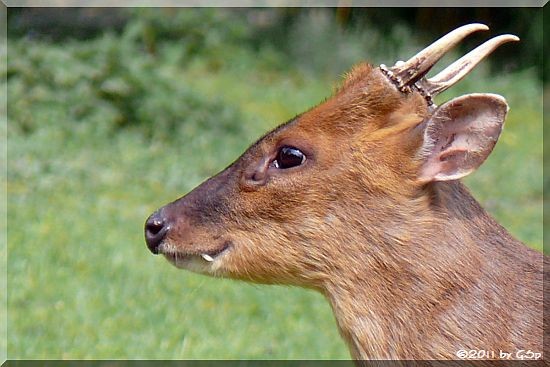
<point>155,231</point>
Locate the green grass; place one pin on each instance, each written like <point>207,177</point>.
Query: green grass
<point>82,179</point>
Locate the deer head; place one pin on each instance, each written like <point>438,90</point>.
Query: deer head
<point>340,186</point>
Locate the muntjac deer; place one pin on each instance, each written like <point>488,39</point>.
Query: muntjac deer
<point>359,198</point>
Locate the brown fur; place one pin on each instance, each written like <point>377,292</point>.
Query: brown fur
<point>412,271</point>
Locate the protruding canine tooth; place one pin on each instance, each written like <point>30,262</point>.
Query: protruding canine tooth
<point>207,257</point>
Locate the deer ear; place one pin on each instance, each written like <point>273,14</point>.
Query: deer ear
<point>460,135</point>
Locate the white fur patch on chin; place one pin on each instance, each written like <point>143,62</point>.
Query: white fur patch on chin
<point>196,263</point>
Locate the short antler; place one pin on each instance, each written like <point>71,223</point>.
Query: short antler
<point>457,70</point>
<point>409,75</point>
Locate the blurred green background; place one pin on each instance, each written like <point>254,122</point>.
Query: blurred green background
<point>114,112</point>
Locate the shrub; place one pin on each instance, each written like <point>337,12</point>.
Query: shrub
<point>108,83</point>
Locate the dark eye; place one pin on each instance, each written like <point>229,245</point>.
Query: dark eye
<point>288,157</point>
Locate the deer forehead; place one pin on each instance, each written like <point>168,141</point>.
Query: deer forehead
<point>363,103</point>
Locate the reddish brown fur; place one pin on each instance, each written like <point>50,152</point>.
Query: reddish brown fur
<point>412,271</point>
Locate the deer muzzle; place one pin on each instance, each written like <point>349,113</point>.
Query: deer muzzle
<point>190,229</point>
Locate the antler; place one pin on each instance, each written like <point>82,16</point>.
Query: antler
<point>453,73</point>
<point>405,75</point>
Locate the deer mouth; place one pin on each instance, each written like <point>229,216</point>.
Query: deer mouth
<point>180,258</point>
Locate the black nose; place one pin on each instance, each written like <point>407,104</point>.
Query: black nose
<point>155,231</point>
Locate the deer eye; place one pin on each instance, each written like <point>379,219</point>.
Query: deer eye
<point>288,157</point>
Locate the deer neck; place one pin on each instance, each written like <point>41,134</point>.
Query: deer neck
<point>399,291</point>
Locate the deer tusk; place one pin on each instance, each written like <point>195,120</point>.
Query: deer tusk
<point>207,257</point>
